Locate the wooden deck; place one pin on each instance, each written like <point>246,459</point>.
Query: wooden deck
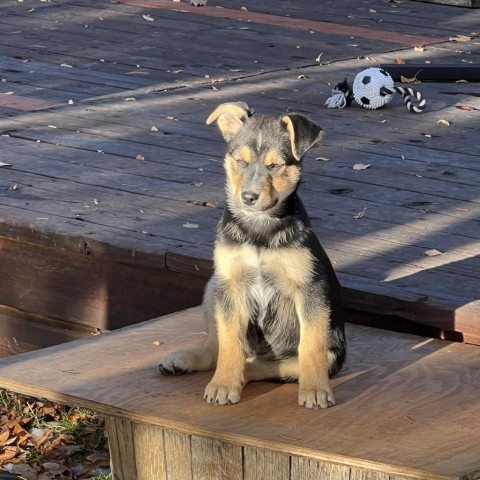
<point>115,184</point>
<point>407,409</point>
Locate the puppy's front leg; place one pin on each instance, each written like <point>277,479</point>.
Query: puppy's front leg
<point>227,383</point>
<point>314,384</point>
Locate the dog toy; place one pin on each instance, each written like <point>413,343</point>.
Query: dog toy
<point>373,88</point>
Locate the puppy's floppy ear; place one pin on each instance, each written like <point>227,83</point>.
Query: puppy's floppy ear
<point>304,134</point>
<point>230,118</point>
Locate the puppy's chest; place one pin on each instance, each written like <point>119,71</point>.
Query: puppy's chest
<point>264,274</point>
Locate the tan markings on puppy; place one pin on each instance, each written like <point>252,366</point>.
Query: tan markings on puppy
<point>291,131</point>
<point>230,118</point>
<point>227,383</point>
<point>232,314</point>
<point>257,369</point>
<point>234,172</point>
<point>286,179</point>
<point>292,268</point>
<point>273,158</point>
<point>299,143</point>
<point>314,384</point>
<point>244,154</point>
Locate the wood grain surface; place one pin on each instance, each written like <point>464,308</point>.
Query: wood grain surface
<point>407,405</point>
<point>108,148</point>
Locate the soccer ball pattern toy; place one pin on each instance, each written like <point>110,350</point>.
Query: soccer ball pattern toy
<point>373,88</point>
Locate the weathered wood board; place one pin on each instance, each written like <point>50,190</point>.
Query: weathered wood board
<point>407,407</point>
<point>109,153</point>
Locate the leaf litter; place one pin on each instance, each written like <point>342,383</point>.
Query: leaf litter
<point>43,440</point>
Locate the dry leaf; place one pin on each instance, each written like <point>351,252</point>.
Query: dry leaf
<point>414,80</point>
<point>419,49</point>
<point>433,252</point>
<point>361,166</point>
<point>444,122</point>
<point>460,38</point>
<point>147,18</point>
<point>156,343</point>
<point>466,108</point>
<point>361,214</point>
<point>399,61</point>
<point>140,157</point>
<point>190,225</point>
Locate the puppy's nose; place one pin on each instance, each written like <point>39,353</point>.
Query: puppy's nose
<point>249,198</point>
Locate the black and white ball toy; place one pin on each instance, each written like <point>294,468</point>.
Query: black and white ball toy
<point>368,85</point>
<point>373,88</point>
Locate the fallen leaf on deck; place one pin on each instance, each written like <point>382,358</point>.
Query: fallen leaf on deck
<point>433,252</point>
<point>190,225</point>
<point>140,157</point>
<point>419,49</point>
<point>460,38</point>
<point>444,122</point>
<point>361,214</point>
<point>147,18</point>
<point>361,166</point>
<point>413,80</point>
<point>466,108</point>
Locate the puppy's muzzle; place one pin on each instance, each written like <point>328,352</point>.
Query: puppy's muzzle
<point>249,198</point>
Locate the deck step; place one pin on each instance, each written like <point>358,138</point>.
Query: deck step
<point>408,407</point>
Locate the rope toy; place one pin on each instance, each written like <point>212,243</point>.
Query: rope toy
<point>373,88</point>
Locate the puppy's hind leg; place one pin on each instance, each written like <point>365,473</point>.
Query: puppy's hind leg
<point>260,368</point>
<point>193,360</point>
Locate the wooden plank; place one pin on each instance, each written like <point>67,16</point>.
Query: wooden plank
<point>179,457</point>
<point>446,72</point>
<point>415,393</point>
<point>265,465</point>
<point>122,448</point>
<point>303,468</point>
<point>86,291</point>
<point>216,460</point>
<point>456,3</point>
<point>150,462</point>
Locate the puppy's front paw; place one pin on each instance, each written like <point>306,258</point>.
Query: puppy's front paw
<point>222,394</point>
<point>316,398</point>
<point>177,363</point>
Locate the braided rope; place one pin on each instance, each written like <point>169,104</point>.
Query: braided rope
<point>407,94</point>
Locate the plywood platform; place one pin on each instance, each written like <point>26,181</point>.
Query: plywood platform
<point>102,110</point>
<point>408,407</point>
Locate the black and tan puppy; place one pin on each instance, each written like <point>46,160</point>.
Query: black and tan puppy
<point>273,303</point>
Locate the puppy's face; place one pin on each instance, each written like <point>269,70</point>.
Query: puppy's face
<point>263,156</point>
<point>261,170</point>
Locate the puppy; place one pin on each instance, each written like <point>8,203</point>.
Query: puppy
<point>273,304</point>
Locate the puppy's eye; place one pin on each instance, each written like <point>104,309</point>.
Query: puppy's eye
<point>240,162</point>
<point>275,166</point>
